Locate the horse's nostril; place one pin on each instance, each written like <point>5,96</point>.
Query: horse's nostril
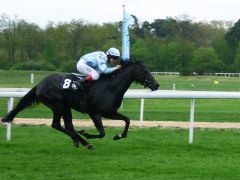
<point>155,87</point>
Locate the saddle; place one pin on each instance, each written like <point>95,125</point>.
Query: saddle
<point>73,82</point>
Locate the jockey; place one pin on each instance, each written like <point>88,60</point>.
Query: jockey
<point>95,63</point>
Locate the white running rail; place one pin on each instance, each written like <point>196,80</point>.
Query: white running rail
<point>141,94</point>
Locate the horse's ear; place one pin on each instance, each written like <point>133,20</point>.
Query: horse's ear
<point>124,63</point>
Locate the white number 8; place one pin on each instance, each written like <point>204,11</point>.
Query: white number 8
<point>67,83</point>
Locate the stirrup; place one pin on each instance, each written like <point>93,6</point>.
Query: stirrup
<point>83,79</point>
<point>80,82</point>
<point>78,85</point>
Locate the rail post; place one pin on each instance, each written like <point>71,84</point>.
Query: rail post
<point>10,103</point>
<point>8,135</point>
<point>9,125</point>
<point>141,112</point>
<point>191,125</point>
<point>31,78</point>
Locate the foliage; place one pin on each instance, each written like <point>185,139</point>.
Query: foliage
<point>68,66</point>
<point>164,44</point>
<point>205,60</point>
<point>34,65</point>
<point>233,35</point>
<point>224,52</point>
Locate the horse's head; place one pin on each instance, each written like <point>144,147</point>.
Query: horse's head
<point>142,74</point>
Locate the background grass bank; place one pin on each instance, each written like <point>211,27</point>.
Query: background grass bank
<point>155,109</point>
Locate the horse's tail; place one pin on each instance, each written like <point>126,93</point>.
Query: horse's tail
<point>28,100</point>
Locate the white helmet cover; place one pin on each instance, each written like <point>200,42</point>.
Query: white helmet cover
<point>113,52</point>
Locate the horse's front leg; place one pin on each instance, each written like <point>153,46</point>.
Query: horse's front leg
<point>97,120</point>
<point>118,116</point>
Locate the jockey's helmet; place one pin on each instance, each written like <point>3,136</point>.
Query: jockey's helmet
<point>113,52</point>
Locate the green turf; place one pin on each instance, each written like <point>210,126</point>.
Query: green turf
<point>202,83</point>
<point>221,110</point>
<point>20,79</point>
<point>39,152</point>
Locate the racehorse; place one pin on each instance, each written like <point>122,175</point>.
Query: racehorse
<point>98,99</point>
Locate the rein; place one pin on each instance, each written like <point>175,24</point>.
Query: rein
<point>126,64</point>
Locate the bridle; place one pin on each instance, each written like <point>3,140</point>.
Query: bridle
<point>144,73</point>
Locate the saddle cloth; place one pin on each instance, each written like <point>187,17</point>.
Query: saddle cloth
<point>69,81</point>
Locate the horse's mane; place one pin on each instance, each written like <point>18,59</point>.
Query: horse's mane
<point>130,63</point>
<point>125,65</point>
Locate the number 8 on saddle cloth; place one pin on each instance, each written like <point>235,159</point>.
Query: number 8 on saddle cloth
<point>72,82</point>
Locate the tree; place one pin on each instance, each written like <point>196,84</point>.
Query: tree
<point>141,50</point>
<point>206,60</point>
<point>224,52</point>
<point>165,27</point>
<point>233,35</point>
<point>29,40</point>
<point>236,64</point>
<point>77,33</point>
<point>9,36</point>
<point>184,56</point>
<point>165,44</point>
<point>103,37</point>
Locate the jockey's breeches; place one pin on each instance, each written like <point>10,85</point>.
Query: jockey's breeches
<point>87,70</point>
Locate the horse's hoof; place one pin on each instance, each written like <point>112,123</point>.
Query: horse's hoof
<point>5,121</point>
<point>82,132</point>
<point>76,143</point>
<point>117,137</point>
<point>90,147</point>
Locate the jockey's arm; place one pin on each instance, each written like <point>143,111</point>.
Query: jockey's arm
<point>102,66</point>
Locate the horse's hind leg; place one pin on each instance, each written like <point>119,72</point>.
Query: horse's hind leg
<point>97,120</point>
<point>56,123</point>
<point>11,115</point>
<point>67,117</point>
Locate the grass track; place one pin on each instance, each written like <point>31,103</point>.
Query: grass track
<point>39,152</point>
